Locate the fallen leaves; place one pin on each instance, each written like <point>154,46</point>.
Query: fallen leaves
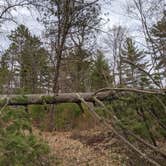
<point>91,147</point>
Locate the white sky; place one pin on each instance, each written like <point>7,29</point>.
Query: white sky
<point>115,13</point>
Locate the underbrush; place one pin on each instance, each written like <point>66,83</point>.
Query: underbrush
<point>67,116</point>
<point>18,145</point>
<point>146,118</point>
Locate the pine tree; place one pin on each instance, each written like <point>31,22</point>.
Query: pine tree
<point>100,75</point>
<point>75,68</point>
<point>158,32</point>
<point>132,75</point>
<point>5,75</point>
<point>29,59</point>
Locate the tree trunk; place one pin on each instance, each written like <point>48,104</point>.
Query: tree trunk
<point>53,99</point>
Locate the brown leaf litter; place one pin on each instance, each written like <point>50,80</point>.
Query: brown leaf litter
<point>84,148</point>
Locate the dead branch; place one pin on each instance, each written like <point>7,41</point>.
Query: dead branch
<point>103,121</point>
<point>144,71</point>
<point>130,132</point>
<point>141,91</point>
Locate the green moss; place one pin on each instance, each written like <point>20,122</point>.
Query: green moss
<point>20,99</point>
<point>3,102</point>
<point>47,99</point>
<point>38,115</point>
<point>66,115</point>
<point>69,106</point>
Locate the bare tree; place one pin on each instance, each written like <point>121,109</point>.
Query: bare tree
<point>7,6</point>
<point>66,24</point>
<point>146,12</point>
<point>114,40</point>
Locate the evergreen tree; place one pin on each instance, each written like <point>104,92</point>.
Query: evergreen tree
<point>100,72</point>
<point>158,32</point>
<point>5,75</point>
<point>30,58</point>
<point>76,70</point>
<point>132,75</point>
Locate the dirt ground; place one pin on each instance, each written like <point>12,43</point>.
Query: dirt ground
<point>84,148</point>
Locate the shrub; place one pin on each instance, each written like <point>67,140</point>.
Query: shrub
<point>67,116</point>
<point>18,145</point>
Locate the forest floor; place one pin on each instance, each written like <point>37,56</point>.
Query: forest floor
<point>84,148</point>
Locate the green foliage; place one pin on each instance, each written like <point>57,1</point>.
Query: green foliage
<point>100,74</point>
<point>66,115</point>
<point>5,74</point>
<point>128,111</point>
<point>18,145</point>
<point>21,99</point>
<point>79,66</point>
<point>69,115</point>
<point>132,76</point>
<point>29,60</point>
<point>3,102</point>
<point>38,114</point>
<point>158,33</point>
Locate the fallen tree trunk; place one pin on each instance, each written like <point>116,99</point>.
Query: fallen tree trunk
<point>102,94</point>
<point>52,99</point>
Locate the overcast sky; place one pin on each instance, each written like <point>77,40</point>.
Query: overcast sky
<point>23,16</point>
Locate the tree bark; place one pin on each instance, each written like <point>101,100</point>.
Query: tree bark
<point>52,99</point>
<point>102,94</point>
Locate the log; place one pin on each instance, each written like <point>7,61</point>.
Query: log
<point>52,99</point>
<point>102,94</point>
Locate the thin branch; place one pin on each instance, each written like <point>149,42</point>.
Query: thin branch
<point>98,118</point>
<point>141,69</point>
<point>152,92</point>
